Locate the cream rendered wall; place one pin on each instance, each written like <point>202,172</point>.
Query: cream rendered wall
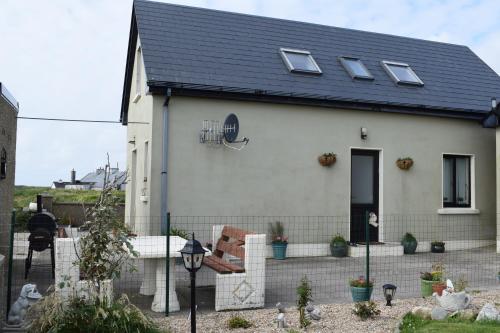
<point>138,213</point>
<point>278,174</point>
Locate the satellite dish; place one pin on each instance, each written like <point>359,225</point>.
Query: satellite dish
<point>231,128</point>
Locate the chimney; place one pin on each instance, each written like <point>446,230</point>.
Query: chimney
<point>73,176</point>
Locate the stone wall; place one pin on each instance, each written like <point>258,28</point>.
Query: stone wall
<point>74,213</point>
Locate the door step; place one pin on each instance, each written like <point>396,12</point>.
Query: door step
<point>379,250</point>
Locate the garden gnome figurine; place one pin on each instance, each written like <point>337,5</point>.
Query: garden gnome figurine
<point>29,295</point>
<point>372,219</point>
<point>281,316</point>
<point>312,312</point>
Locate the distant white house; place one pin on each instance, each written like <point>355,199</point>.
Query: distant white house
<point>93,180</point>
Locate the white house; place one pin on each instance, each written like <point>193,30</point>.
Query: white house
<point>300,90</point>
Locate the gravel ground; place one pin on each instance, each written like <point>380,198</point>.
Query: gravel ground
<point>335,317</point>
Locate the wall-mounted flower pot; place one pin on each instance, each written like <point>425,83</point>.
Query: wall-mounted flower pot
<point>327,159</point>
<point>404,163</point>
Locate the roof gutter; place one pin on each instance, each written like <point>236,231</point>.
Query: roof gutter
<point>311,100</point>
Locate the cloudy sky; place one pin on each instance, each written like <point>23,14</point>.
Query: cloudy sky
<point>66,59</point>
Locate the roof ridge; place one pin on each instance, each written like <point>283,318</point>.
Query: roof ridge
<point>297,21</point>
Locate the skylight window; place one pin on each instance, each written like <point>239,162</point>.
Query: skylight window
<point>401,73</point>
<point>355,68</point>
<point>299,61</point>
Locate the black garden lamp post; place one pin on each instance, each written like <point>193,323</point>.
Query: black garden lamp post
<point>192,256</point>
<point>389,291</point>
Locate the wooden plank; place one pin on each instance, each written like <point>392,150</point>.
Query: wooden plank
<point>222,266</point>
<point>235,233</point>
<point>231,248</point>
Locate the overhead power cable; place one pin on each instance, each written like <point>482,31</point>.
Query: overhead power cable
<point>81,120</point>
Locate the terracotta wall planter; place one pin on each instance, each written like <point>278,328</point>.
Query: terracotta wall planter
<point>404,163</point>
<point>327,159</point>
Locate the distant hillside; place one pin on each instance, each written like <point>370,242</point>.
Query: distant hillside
<point>23,195</point>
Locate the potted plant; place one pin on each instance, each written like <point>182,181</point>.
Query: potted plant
<point>278,241</point>
<point>338,246</point>
<point>327,159</point>
<point>361,290</point>
<point>437,247</point>
<point>429,279</point>
<point>439,287</point>
<point>404,163</point>
<point>409,243</point>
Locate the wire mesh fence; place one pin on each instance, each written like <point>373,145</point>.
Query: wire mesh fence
<point>244,265</point>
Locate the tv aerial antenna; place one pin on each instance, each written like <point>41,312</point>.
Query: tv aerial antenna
<point>216,133</point>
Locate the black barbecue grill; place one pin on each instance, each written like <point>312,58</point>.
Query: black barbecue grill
<point>42,227</point>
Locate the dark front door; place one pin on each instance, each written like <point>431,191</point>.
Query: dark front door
<point>364,193</point>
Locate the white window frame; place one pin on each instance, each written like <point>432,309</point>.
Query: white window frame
<point>284,51</point>
<point>138,75</point>
<point>460,210</point>
<point>386,65</point>
<point>343,61</point>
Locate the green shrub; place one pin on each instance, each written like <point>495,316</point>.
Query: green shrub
<point>179,232</point>
<point>304,293</point>
<point>51,315</point>
<point>409,237</point>
<point>365,310</point>
<point>238,322</point>
<point>339,240</point>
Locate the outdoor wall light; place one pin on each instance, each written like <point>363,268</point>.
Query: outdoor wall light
<point>192,256</point>
<point>364,133</point>
<point>389,292</point>
<point>493,103</point>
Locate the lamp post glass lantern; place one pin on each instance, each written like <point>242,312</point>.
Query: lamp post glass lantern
<point>389,292</point>
<point>192,257</point>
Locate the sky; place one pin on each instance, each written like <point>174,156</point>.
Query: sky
<point>66,59</point>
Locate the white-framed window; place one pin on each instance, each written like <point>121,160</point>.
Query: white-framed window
<point>401,73</point>
<point>458,184</point>
<point>146,160</point>
<point>355,68</point>
<point>299,61</point>
<point>138,74</point>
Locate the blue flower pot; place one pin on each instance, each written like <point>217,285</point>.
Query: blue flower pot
<point>279,250</point>
<point>361,294</point>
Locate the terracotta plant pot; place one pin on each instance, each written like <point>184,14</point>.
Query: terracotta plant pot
<point>327,159</point>
<point>405,163</point>
<point>438,288</point>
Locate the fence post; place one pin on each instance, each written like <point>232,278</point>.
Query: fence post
<point>11,256</point>
<point>167,262</point>
<point>367,237</point>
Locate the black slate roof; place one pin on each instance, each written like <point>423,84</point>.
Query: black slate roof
<point>210,50</point>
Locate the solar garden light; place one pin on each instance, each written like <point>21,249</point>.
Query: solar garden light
<point>389,291</point>
<point>192,256</point>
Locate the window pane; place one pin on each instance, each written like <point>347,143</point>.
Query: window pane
<point>448,180</point>
<point>403,73</point>
<point>301,62</point>
<point>462,181</point>
<point>356,67</point>
<point>362,179</point>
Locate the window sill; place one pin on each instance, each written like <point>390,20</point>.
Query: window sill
<point>136,98</point>
<point>457,211</point>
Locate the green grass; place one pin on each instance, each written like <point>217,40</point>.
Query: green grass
<point>23,195</point>
<point>414,324</point>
